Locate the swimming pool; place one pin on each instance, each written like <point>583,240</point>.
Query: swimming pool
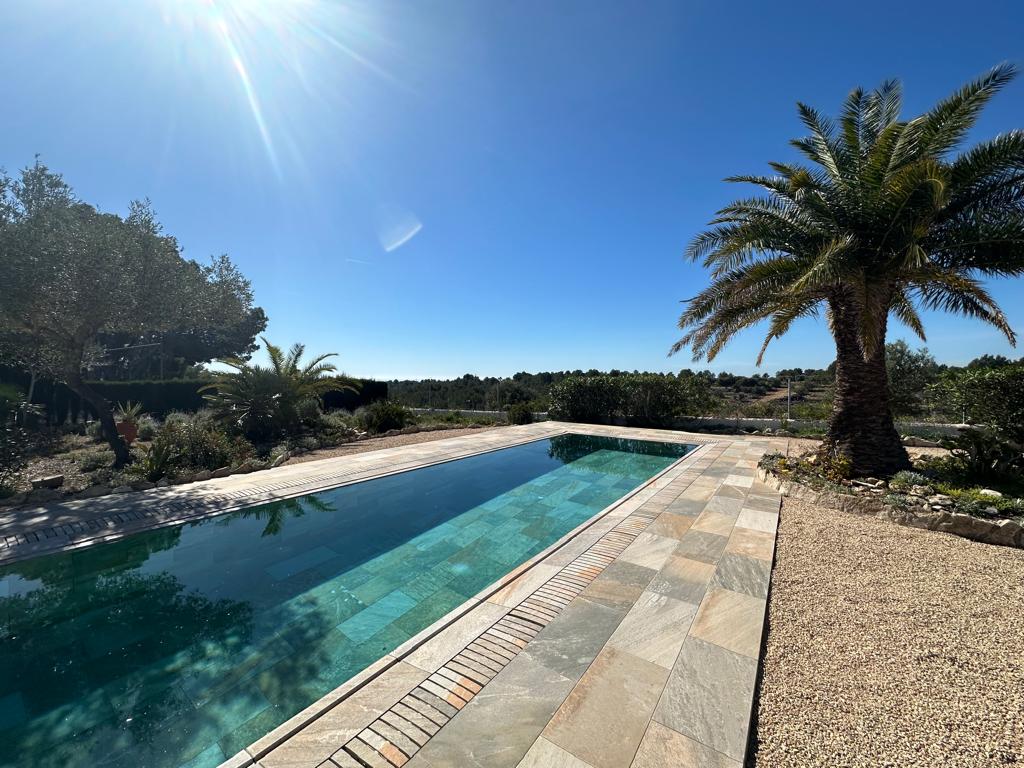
<point>178,647</point>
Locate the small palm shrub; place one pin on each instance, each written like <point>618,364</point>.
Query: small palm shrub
<point>268,402</point>
<point>384,415</point>
<point>520,413</point>
<point>129,413</point>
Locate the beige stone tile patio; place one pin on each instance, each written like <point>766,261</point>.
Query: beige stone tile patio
<point>731,620</point>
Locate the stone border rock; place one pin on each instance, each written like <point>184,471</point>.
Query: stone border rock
<point>1004,533</point>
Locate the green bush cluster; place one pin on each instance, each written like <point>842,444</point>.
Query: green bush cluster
<point>520,413</point>
<point>906,479</point>
<point>643,399</point>
<point>383,416</point>
<point>189,446</point>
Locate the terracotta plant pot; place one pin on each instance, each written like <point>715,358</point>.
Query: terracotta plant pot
<point>128,431</point>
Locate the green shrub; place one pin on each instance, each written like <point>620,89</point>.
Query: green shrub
<point>644,399</point>
<point>90,461</point>
<point>193,446</point>
<point>13,440</point>
<point>520,413</point>
<point>384,415</point>
<point>972,501</point>
<point>335,428</point>
<point>586,399</point>
<point>148,427</point>
<point>985,454</point>
<point>94,430</point>
<point>905,479</point>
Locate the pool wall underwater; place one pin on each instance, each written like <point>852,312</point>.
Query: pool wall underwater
<point>181,646</point>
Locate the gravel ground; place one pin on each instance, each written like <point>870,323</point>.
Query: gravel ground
<point>890,646</point>
<point>798,446</point>
<point>376,443</point>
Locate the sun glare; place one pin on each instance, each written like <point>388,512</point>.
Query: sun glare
<point>267,46</point>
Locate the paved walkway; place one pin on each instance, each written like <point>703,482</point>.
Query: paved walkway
<point>632,642</point>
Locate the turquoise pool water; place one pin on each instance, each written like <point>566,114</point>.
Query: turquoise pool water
<point>178,647</point>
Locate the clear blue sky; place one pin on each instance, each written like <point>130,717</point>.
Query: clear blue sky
<point>435,188</point>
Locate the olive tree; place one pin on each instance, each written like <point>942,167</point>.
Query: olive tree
<point>72,274</point>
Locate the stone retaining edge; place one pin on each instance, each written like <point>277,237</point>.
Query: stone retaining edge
<point>1004,533</point>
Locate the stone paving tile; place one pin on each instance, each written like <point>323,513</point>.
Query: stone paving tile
<point>455,637</point>
<point>619,585</point>
<point>697,545</point>
<point>758,520</point>
<point>605,716</point>
<point>709,696</point>
<point>751,543</point>
<point>671,525</point>
<point>571,642</point>
<point>664,748</point>
<point>714,522</point>
<point>743,574</point>
<point>522,699</point>
<point>654,628</point>
<point>544,754</point>
<point>649,550</point>
<point>731,620</point>
<point>683,578</point>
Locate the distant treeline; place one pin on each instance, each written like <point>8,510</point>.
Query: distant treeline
<point>910,371</point>
<point>489,393</point>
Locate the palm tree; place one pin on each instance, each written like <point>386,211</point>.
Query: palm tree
<point>264,400</point>
<point>888,220</point>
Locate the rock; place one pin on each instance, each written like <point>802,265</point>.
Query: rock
<point>812,459</point>
<point>13,501</point>
<point>921,490</point>
<point>50,481</point>
<point>940,500</point>
<point>122,489</point>
<point>244,468</point>
<point>204,475</point>
<point>222,472</point>
<point>143,485</point>
<point>94,491</point>
<point>163,482</point>
<point>919,442</point>
<point>280,460</point>
<point>181,480</point>
<point>990,492</point>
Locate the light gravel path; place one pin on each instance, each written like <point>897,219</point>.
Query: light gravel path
<point>890,646</point>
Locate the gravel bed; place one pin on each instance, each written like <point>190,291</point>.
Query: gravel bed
<point>890,646</point>
<point>392,441</point>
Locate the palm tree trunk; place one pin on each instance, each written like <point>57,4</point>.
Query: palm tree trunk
<point>862,427</point>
